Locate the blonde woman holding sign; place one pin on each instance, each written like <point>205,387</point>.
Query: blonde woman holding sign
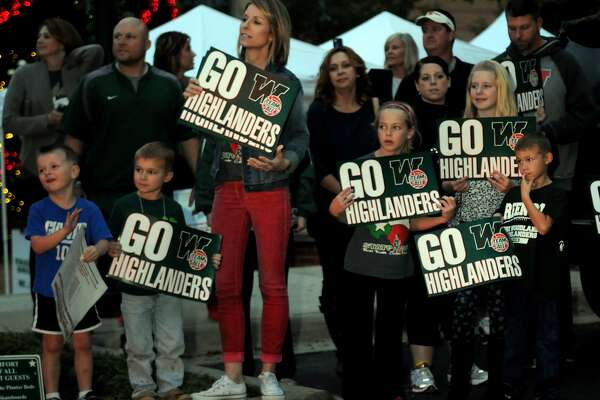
<point>254,193</point>
<point>489,94</point>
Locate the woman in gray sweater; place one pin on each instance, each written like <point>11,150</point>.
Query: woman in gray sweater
<point>39,92</point>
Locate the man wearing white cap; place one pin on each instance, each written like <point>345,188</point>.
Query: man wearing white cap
<point>439,27</point>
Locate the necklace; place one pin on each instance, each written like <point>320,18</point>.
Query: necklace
<point>163,204</point>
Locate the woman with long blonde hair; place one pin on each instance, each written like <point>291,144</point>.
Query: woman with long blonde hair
<point>489,94</point>
<point>251,191</point>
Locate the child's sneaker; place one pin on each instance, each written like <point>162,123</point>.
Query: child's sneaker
<point>422,381</point>
<point>223,389</point>
<point>90,396</point>
<point>269,386</point>
<point>145,395</point>
<point>478,375</point>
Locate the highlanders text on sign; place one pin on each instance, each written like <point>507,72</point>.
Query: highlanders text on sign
<point>240,103</point>
<point>174,259</point>
<point>470,254</point>
<point>390,188</point>
<point>476,147</point>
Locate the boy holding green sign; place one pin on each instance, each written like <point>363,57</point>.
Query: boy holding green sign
<point>531,216</point>
<point>146,312</point>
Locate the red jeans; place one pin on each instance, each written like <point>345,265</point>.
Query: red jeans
<point>269,214</point>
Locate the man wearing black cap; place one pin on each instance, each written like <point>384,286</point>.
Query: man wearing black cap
<point>439,29</point>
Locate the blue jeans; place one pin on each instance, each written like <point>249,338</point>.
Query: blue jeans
<point>524,311</point>
<point>159,317</point>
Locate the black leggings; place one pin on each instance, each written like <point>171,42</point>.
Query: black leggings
<point>372,354</point>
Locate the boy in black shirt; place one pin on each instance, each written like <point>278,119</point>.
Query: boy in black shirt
<point>532,214</point>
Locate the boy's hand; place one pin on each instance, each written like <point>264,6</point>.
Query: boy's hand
<point>540,114</point>
<point>458,185</point>
<point>525,187</point>
<point>114,249</point>
<point>500,182</point>
<point>90,254</point>
<point>262,163</point>
<point>192,89</point>
<point>341,202</point>
<point>216,260</point>
<point>447,207</point>
<point>71,221</point>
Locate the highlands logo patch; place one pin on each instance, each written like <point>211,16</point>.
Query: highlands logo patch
<point>417,178</point>
<point>499,242</point>
<point>198,260</point>
<point>271,105</point>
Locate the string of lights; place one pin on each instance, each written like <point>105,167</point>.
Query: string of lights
<point>14,10</point>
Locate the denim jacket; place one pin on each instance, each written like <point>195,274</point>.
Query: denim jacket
<point>294,138</point>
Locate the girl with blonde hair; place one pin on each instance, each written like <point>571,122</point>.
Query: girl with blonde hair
<point>489,94</point>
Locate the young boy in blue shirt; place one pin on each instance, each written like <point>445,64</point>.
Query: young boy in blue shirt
<point>50,227</point>
<point>532,215</point>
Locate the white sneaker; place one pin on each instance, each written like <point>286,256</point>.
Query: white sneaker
<point>478,375</point>
<point>422,381</point>
<point>222,389</point>
<point>269,387</point>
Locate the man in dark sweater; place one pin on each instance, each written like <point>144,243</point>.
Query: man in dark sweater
<point>439,32</point>
<point>117,109</point>
<point>550,82</point>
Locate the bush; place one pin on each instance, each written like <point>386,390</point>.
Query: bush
<point>110,371</point>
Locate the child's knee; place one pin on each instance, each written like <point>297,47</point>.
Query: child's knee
<point>82,342</point>
<point>52,344</point>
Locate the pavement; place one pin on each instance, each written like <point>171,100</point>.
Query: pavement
<point>316,363</point>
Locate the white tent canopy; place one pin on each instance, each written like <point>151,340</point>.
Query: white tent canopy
<point>210,28</point>
<point>495,36</point>
<point>368,38</point>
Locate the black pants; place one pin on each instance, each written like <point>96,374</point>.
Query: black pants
<point>523,309</point>
<point>372,354</point>
<point>287,367</point>
<point>463,340</point>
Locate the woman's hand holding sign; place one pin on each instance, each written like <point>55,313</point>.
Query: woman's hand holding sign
<point>457,185</point>
<point>447,207</point>
<point>500,182</point>
<point>192,89</point>
<point>262,163</point>
<point>341,202</point>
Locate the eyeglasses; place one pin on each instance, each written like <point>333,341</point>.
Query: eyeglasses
<point>526,161</point>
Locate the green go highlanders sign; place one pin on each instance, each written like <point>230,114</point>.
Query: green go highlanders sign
<point>595,192</point>
<point>470,254</point>
<point>528,79</point>
<point>474,147</point>
<point>240,103</point>
<point>21,378</point>
<point>389,188</point>
<point>171,258</point>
